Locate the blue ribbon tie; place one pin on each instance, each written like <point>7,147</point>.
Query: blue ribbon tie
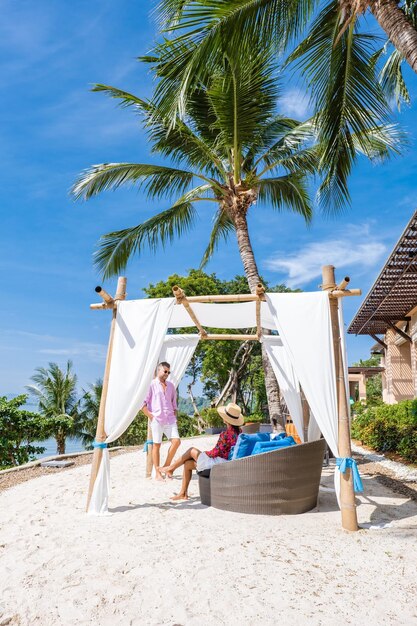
<point>147,443</point>
<point>99,444</point>
<point>348,463</point>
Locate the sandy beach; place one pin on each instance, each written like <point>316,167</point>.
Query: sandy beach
<point>155,563</point>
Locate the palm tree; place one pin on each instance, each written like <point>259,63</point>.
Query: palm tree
<point>90,406</point>
<point>202,22</point>
<point>233,150</point>
<point>55,391</point>
<point>340,63</point>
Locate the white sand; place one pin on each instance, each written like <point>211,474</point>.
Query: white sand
<point>155,563</point>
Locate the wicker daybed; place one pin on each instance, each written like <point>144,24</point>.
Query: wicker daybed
<point>284,481</point>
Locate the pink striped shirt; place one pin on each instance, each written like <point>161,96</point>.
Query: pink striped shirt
<point>162,404</point>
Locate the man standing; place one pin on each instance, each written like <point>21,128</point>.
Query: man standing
<point>160,407</point>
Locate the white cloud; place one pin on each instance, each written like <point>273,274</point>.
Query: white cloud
<point>295,103</point>
<point>302,266</point>
<point>90,351</point>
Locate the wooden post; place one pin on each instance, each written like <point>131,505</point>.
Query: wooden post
<point>149,459</point>
<point>347,495</point>
<point>306,415</point>
<point>182,299</point>
<point>100,431</point>
<point>260,292</point>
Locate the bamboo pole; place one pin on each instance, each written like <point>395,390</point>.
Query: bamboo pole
<point>347,495</point>
<point>260,292</point>
<point>225,337</point>
<point>241,297</point>
<point>344,283</point>
<point>149,459</point>
<point>106,296</point>
<point>182,299</point>
<point>101,306</point>
<point>306,415</point>
<point>100,430</point>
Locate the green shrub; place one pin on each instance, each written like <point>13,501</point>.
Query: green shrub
<point>187,426</point>
<point>388,428</point>
<point>136,434</point>
<point>255,417</point>
<point>211,418</point>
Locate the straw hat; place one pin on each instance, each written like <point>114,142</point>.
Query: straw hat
<point>232,414</point>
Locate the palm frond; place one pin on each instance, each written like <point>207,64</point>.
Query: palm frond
<point>202,29</point>
<point>222,227</point>
<point>242,98</point>
<point>287,192</point>
<point>126,99</point>
<point>392,79</point>
<point>347,96</point>
<point>158,180</point>
<point>380,142</point>
<point>118,247</point>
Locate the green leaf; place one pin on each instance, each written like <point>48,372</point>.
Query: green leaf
<point>117,247</point>
<point>158,180</point>
<point>287,192</point>
<point>221,230</point>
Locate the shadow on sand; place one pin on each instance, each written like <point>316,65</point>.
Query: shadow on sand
<point>191,503</point>
<point>381,493</point>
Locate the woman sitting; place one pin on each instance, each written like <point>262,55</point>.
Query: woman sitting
<point>195,459</point>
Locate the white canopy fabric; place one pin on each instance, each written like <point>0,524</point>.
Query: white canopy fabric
<point>287,380</point>
<point>226,315</point>
<point>141,327</point>
<point>178,351</point>
<point>302,355</point>
<point>303,322</point>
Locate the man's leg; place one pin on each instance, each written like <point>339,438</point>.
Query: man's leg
<point>156,448</point>
<point>189,466</point>
<point>175,444</point>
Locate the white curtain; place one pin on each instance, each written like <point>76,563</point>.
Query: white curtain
<point>141,327</point>
<point>287,380</point>
<point>178,350</point>
<point>303,322</point>
<point>314,431</point>
<point>344,352</point>
<point>225,315</point>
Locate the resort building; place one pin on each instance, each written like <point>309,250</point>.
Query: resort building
<point>389,315</point>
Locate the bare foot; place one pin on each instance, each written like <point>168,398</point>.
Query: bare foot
<point>159,477</point>
<point>165,470</point>
<point>179,496</point>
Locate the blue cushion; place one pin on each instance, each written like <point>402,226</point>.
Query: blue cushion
<point>275,444</point>
<point>245,443</point>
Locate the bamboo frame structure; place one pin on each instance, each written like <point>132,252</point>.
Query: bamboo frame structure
<point>347,494</point>
<point>101,435</point>
<point>348,506</point>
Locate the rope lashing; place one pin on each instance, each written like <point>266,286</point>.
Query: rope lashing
<point>147,443</point>
<point>348,463</point>
<point>99,444</point>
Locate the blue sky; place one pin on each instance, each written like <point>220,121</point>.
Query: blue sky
<point>52,127</point>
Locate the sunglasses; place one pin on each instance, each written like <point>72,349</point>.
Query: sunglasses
<point>167,371</point>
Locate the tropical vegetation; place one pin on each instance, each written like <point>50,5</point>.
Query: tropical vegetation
<point>55,391</point>
<point>19,429</point>
<point>388,428</point>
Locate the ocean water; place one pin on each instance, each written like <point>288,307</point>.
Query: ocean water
<point>72,445</point>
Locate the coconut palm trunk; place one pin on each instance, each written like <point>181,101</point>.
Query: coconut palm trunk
<point>398,28</point>
<point>252,274</point>
<point>60,443</point>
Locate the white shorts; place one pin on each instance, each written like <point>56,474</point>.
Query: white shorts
<point>206,462</point>
<point>169,430</point>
